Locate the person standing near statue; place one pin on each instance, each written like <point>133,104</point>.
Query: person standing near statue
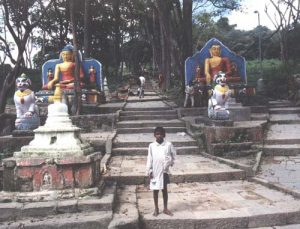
<point>189,94</point>
<point>215,64</point>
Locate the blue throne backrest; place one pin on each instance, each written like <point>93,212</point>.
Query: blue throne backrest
<point>85,66</point>
<point>199,57</point>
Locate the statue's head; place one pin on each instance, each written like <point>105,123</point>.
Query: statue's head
<point>215,50</point>
<point>220,78</point>
<point>23,82</point>
<point>67,54</point>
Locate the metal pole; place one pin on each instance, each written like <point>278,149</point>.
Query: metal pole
<point>260,87</point>
<point>259,42</point>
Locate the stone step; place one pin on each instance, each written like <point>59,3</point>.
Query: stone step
<point>129,170</point>
<point>144,151</point>
<point>144,99</point>
<point>220,148</point>
<point>126,213</point>
<point>148,117</point>
<point>259,116</point>
<point>82,220</point>
<point>283,134</point>
<point>150,123</point>
<point>143,140</point>
<point>237,154</point>
<point>284,118</point>
<point>287,141</point>
<point>225,204</point>
<point>289,226</point>
<point>259,109</point>
<point>177,143</point>
<point>17,206</point>
<point>163,112</point>
<point>284,110</point>
<point>282,150</point>
<point>279,103</point>
<point>146,106</point>
<point>149,130</point>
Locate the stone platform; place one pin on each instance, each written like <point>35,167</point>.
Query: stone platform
<point>229,204</point>
<point>188,168</point>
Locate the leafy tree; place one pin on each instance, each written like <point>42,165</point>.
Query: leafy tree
<point>21,17</point>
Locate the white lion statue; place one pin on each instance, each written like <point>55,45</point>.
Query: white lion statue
<point>218,102</point>
<point>26,109</point>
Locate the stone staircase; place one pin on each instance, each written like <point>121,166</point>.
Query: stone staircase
<point>283,136</point>
<point>281,164</point>
<point>203,193</point>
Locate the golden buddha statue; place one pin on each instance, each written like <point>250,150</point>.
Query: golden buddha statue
<point>66,69</point>
<point>215,63</point>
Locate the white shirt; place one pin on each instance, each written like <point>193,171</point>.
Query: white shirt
<point>142,80</point>
<point>160,158</point>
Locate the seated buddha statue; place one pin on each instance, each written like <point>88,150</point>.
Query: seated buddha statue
<point>67,71</point>
<point>215,64</point>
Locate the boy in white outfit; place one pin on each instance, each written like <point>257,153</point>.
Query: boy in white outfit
<point>161,155</point>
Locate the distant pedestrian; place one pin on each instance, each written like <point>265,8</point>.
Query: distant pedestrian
<point>141,84</point>
<point>161,155</point>
<point>189,94</point>
<point>160,80</point>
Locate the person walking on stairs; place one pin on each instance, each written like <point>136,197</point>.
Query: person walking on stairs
<point>141,84</point>
<point>161,155</point>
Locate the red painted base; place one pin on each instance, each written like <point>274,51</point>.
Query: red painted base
<point>35,174</point>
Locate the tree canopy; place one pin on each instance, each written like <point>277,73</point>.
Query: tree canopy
<point>154,34</point>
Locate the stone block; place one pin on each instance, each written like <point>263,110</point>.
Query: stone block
<point>67,206</point>
<point>267,219</point>
<point>38,209</point>
<point>83,176</point>
<point>10,211</point>
<point>240,113</point>
<point>293,217</point>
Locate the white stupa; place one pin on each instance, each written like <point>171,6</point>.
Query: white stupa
<point>58,138</point>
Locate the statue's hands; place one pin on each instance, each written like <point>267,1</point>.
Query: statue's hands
<point>66,81</point>
<point>28,114</point>
<point>210,92</point>
<point>50,85</point>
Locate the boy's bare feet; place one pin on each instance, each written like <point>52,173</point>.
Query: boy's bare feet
<point>156,212</point>
<point>167,212</point>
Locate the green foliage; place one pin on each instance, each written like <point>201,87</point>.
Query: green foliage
<point>275,75</point>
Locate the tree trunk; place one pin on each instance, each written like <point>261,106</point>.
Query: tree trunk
<point>77,91</point>
<point>187,28</point>
<point>117,37</point>
<point>187,43</point>
<point>9,83</point>
<point>164,16</point>
<point>86,38</point>
<point>283,46</point>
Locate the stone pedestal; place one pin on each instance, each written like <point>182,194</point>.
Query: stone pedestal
<point>56,158</point>
<point>35,174</point>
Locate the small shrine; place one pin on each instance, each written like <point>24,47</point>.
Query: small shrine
<point>62,71</point>
<point>57,157</point>
<point>198,66</point>
<point>202,68</point>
